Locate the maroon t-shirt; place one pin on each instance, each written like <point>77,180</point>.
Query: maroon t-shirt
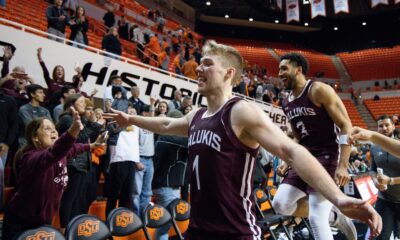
<point>221,170</point>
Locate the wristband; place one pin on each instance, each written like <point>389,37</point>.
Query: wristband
<point>391,182</point>
<point>343,139</point>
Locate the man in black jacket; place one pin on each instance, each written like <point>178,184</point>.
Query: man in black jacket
<point>171,154</point>
<point>57,20</point>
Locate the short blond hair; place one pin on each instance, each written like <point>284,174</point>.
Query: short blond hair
<point>231,56</point>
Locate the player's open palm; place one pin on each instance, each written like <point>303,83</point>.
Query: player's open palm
<point>361,210</point>
<point>121,118</point>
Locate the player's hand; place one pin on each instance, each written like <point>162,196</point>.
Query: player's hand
<point>121,118</point>
<point>362,211</point>
<point>282,170</point>
<point>139,166</point>
<point>383,179</point>
<point>358,133</point>
<point>342,177</point>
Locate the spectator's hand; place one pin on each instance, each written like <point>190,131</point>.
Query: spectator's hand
<point>153,100</point>
<point>358,133</point>
<point>39,54</point>
<point>139,166</point>
<point>61,18</point>
<point>76,122</point>
<point>78,69</point>
<point>7,53</point>
<point>3,149</point>
<point>82,18</point>
<point>101,139</point>
<point>380,187</point>
<point>94,92</point>
<point>282,170</point>
<point>383,179</point>
<point>342,177</point>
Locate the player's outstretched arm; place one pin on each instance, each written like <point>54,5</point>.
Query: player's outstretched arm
<point>160,125</point>
<point>390,145</point>
<point>259,129</point>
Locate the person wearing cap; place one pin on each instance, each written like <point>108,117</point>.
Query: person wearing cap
<point>170,159</point>
<point>115,80</point>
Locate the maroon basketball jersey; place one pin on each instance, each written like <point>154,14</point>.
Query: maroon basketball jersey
<point>221,170</point>
<point>316,130</point>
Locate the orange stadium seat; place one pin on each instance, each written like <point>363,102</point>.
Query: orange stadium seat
<point>389,106</point>
<point>372,64</point>
<point>354,115</point>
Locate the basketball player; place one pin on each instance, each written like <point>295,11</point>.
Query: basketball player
<point>223,143</point>
<point>315,113</point>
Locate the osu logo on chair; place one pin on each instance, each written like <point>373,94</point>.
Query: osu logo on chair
<point>259,194</point>
<point>156,213</point>
<point>124,219</point>
<point>42,235</point>
<point>88,227</point>
<point>182,208</point>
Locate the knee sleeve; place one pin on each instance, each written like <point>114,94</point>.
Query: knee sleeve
<point>319,210</point>
<point>285,200</point>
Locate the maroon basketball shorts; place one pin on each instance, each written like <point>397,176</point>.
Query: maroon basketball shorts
<point>328,161</point>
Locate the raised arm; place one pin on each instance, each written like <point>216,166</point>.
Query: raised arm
<point>160,125</point>
<point>390,145</point>
<point>259,129</point>
<point>46,74</point>
<point>323,95</point>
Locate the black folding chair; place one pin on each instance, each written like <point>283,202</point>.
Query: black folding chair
<point>155,216</point>
<point>87,227</point>
<point>124,222</point>
<point>180,211</point>
<point>43,232</point>
<point>269,221</point>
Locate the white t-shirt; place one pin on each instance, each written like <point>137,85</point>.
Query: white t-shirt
<point>146,143</point>
<point>127,148</point>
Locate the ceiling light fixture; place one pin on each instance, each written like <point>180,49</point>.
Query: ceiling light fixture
<point>208,3</point>
<point>335,28</point>
<point>306,24</point>
<point>226,16</point>
<point>277,21</point>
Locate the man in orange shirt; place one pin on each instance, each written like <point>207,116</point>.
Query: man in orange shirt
<point>154,46</point>
<point>179,60</point>
<point>189,68</point>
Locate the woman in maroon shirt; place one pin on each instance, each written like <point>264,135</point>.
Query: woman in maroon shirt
<point>41,174</point>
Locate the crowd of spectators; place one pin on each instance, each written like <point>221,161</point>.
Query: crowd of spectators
<point>25,103</point>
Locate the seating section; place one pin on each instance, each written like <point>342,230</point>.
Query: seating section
<point>372,64</point>
<point>33,14</point>
<point>254,52</point>
<point>389,105</point>
<point>354,115</point>
<point>318,62</point>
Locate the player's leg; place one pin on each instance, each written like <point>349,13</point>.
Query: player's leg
<point>286,200</point>
<point>319,211</point>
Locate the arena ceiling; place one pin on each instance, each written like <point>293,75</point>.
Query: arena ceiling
<point>363,27</point>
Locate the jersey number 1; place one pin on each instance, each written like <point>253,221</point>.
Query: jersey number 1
<point>196,168</point>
